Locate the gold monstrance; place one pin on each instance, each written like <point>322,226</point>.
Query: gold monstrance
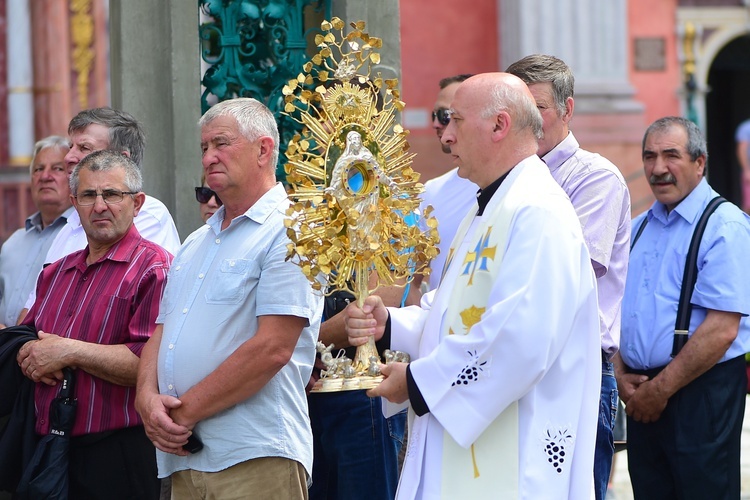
<point>352,186</point>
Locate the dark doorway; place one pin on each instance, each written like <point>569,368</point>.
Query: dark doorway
<point>727,105</point>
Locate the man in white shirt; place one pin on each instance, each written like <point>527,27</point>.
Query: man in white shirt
<point>450,196</point>
<point>97,129</point>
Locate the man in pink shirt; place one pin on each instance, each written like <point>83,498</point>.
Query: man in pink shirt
<point>94,311</point>
<point>602,202</point>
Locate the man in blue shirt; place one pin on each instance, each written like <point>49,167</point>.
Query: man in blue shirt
<point>684,412</point>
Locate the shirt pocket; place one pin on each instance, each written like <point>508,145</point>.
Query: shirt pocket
<point>234,279</point>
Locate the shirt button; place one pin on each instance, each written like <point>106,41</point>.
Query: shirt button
<point>218,240</point>
<point>231,263</point>
<point>170,387</point>
<point>184,310</point>
<point>177,268</point>
<point>171,346</point>
<point>200,276</point>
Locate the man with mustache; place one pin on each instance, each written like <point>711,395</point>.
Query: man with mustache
<point>685,406</point>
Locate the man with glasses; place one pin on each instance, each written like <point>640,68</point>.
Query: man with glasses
<point>450,196</point>
<point>95,309</point>
<point>106,128</point>
<point>23,254</point>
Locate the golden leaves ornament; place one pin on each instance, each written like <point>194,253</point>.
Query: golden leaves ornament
<point>353,190</point>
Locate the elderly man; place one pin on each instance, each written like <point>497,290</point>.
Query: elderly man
<point>235,341</point>
<point>106,128</point>
<point>685,405</point>
<point>602,202</point>
<point>23,254</point>
<point>505,378</point>
<point>95,310</point>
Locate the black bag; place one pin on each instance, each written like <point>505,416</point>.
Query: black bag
<point>46,475</point>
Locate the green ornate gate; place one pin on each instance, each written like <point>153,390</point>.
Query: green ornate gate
<point>253,48</point>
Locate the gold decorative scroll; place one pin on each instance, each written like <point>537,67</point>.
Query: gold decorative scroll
<point>82,35</point>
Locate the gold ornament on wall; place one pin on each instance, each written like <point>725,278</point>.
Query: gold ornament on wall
<point>354,193</point>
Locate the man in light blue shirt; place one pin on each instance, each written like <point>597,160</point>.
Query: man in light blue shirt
<point>684,412</point>
<point>23,254</point>
<point>235,341</point>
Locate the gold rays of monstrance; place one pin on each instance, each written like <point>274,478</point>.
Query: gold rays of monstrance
<point>354,194</point>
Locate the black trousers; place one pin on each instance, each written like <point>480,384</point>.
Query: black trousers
<point>693,450</point>
<point>113,465</point>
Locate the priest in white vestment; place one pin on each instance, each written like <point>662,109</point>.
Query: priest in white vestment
<point>504,381</point>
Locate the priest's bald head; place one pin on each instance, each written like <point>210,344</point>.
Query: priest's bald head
<point>494,125</point>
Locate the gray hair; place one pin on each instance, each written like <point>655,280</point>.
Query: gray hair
<point>102,161</point>
<point>52,141</point>
<point>696,143</point>
<point>519,105</point>
<point>541,68</point>
<point>254,119</point>
<point>125,133</point>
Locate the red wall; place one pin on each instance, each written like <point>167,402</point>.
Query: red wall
<point>442,38</point>
<point>656,89</point>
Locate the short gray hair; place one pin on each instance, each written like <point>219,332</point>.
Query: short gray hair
<point>519,105</point>
<point>254,119</point>
<point>696,143</point>
<point>102,161</point>
<point>541,68</point>
<point>125,132</point>
<point>52,141</point>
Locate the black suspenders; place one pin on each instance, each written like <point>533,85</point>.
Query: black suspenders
<point>689,277</point>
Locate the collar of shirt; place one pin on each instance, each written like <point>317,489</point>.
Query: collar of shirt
<point>485,195</point>
<point>561,153</point>
<point>259,212</point>
<point>35,221</point>
<point>122,251</point>
<point>689,209</point>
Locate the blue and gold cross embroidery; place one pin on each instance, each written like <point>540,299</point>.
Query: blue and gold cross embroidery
<point>481,253</point>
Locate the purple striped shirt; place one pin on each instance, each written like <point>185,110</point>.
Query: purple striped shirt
<point>113,301</point>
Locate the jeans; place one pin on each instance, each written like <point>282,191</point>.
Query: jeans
<point>605,443</point>
<point>355,447</point>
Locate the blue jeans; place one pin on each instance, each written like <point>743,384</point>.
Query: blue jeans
<point>355,447</point>
<point>605,441</point>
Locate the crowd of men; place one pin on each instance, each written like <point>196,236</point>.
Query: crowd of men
<point>546,306</point>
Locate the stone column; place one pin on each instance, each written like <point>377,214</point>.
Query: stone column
<point>156,77</point>
<point>383,21</point>
<point>589,35</point>
<point>3,87</point>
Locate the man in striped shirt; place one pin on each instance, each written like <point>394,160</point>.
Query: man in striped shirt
<point>95,309</point>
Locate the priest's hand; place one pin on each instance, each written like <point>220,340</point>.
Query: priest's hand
<point>367,321</point>
<point>393,387</point>
<point>647,402</point>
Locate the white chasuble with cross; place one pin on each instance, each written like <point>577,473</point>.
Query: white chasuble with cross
<point>506,354</point>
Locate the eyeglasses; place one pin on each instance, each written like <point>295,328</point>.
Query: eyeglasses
<point>443,116</point>
<point>110,196</point>
<point>204,195</point>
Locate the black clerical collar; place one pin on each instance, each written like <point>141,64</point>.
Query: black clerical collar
<point>485,195</point>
